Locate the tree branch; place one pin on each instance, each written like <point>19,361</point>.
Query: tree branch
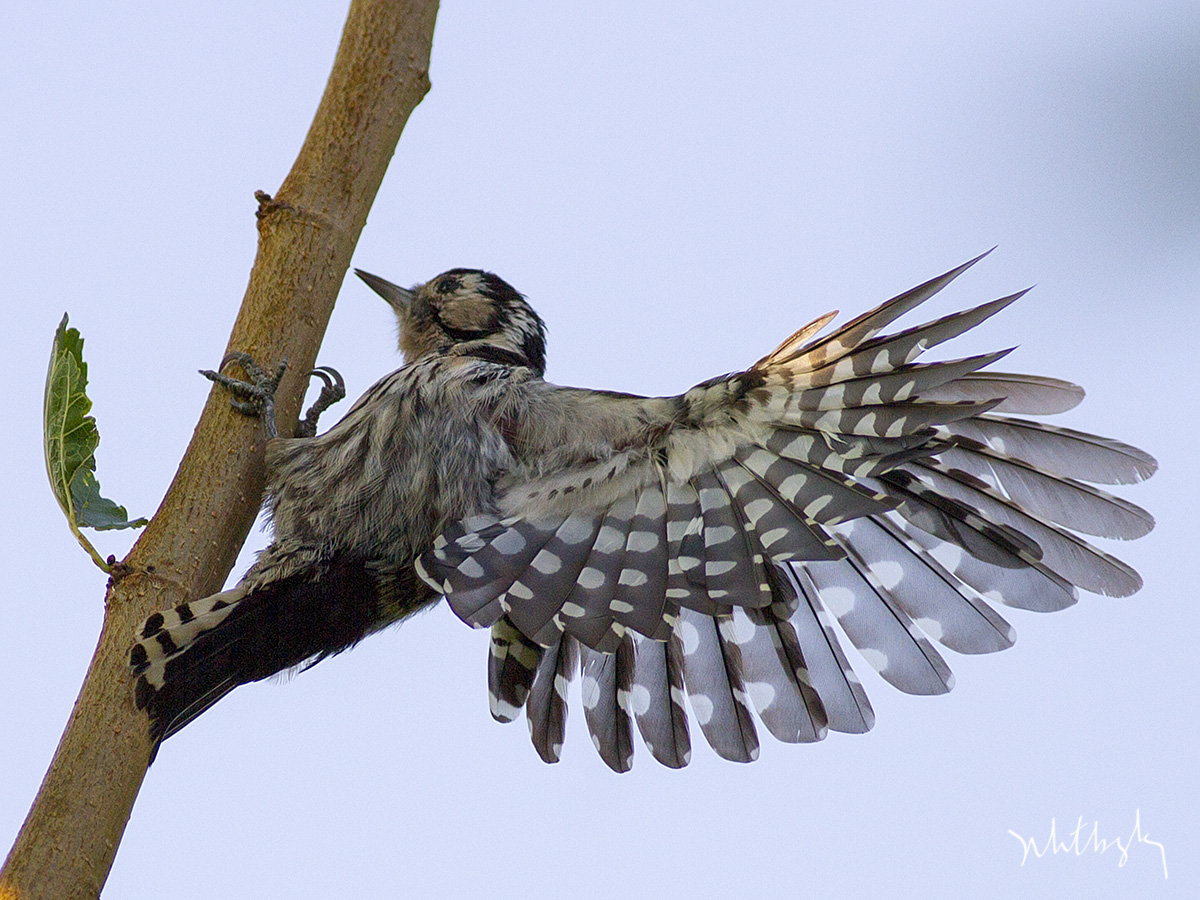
<point>307,234</point>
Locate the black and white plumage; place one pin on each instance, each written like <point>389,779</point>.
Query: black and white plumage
<point>695,546</point>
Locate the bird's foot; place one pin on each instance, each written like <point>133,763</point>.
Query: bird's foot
<point>256,396</point>
<point>333,390</point>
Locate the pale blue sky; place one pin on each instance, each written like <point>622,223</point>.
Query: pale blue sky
<point>675,188</point>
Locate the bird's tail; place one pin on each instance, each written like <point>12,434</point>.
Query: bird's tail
<point>183,659</point>
<point>187,658</point>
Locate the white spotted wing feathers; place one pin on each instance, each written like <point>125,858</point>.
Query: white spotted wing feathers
<point>689,556</point>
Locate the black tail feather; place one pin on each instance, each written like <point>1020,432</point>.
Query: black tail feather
<point>287,623</point>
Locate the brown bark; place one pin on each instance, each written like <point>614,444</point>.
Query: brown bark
<point>307,234</point>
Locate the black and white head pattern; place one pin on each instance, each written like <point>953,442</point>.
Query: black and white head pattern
<point>466,311</point>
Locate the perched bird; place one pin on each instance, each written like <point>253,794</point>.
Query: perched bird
<point>694,546</point>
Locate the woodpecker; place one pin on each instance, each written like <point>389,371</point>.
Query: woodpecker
<point>685,555</point>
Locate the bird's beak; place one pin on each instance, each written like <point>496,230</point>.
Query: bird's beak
<point>399,298</point>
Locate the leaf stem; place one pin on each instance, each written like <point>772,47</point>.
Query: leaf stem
<point>87,545</point>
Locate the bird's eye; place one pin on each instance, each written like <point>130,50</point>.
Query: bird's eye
<point>448,285</point>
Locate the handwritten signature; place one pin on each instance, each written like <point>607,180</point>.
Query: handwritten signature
<point>1083,839</point>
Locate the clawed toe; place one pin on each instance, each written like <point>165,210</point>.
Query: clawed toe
<point>246,361</point>
<point>333,390</point>
<point>335,385</point>
<point>255,397</point>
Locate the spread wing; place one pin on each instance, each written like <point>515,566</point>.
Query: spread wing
<point>704,544</point>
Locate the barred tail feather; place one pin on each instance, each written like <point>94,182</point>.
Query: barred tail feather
<point>188,658</point>
<point>886,354</point>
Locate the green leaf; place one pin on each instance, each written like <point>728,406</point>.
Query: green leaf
<point>71,438</point>
<point>94,511</point>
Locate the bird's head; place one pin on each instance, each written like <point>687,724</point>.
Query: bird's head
<point>467,310</point>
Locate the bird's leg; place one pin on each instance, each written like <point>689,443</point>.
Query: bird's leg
<point>333,390</point>
<point>255,397</point>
